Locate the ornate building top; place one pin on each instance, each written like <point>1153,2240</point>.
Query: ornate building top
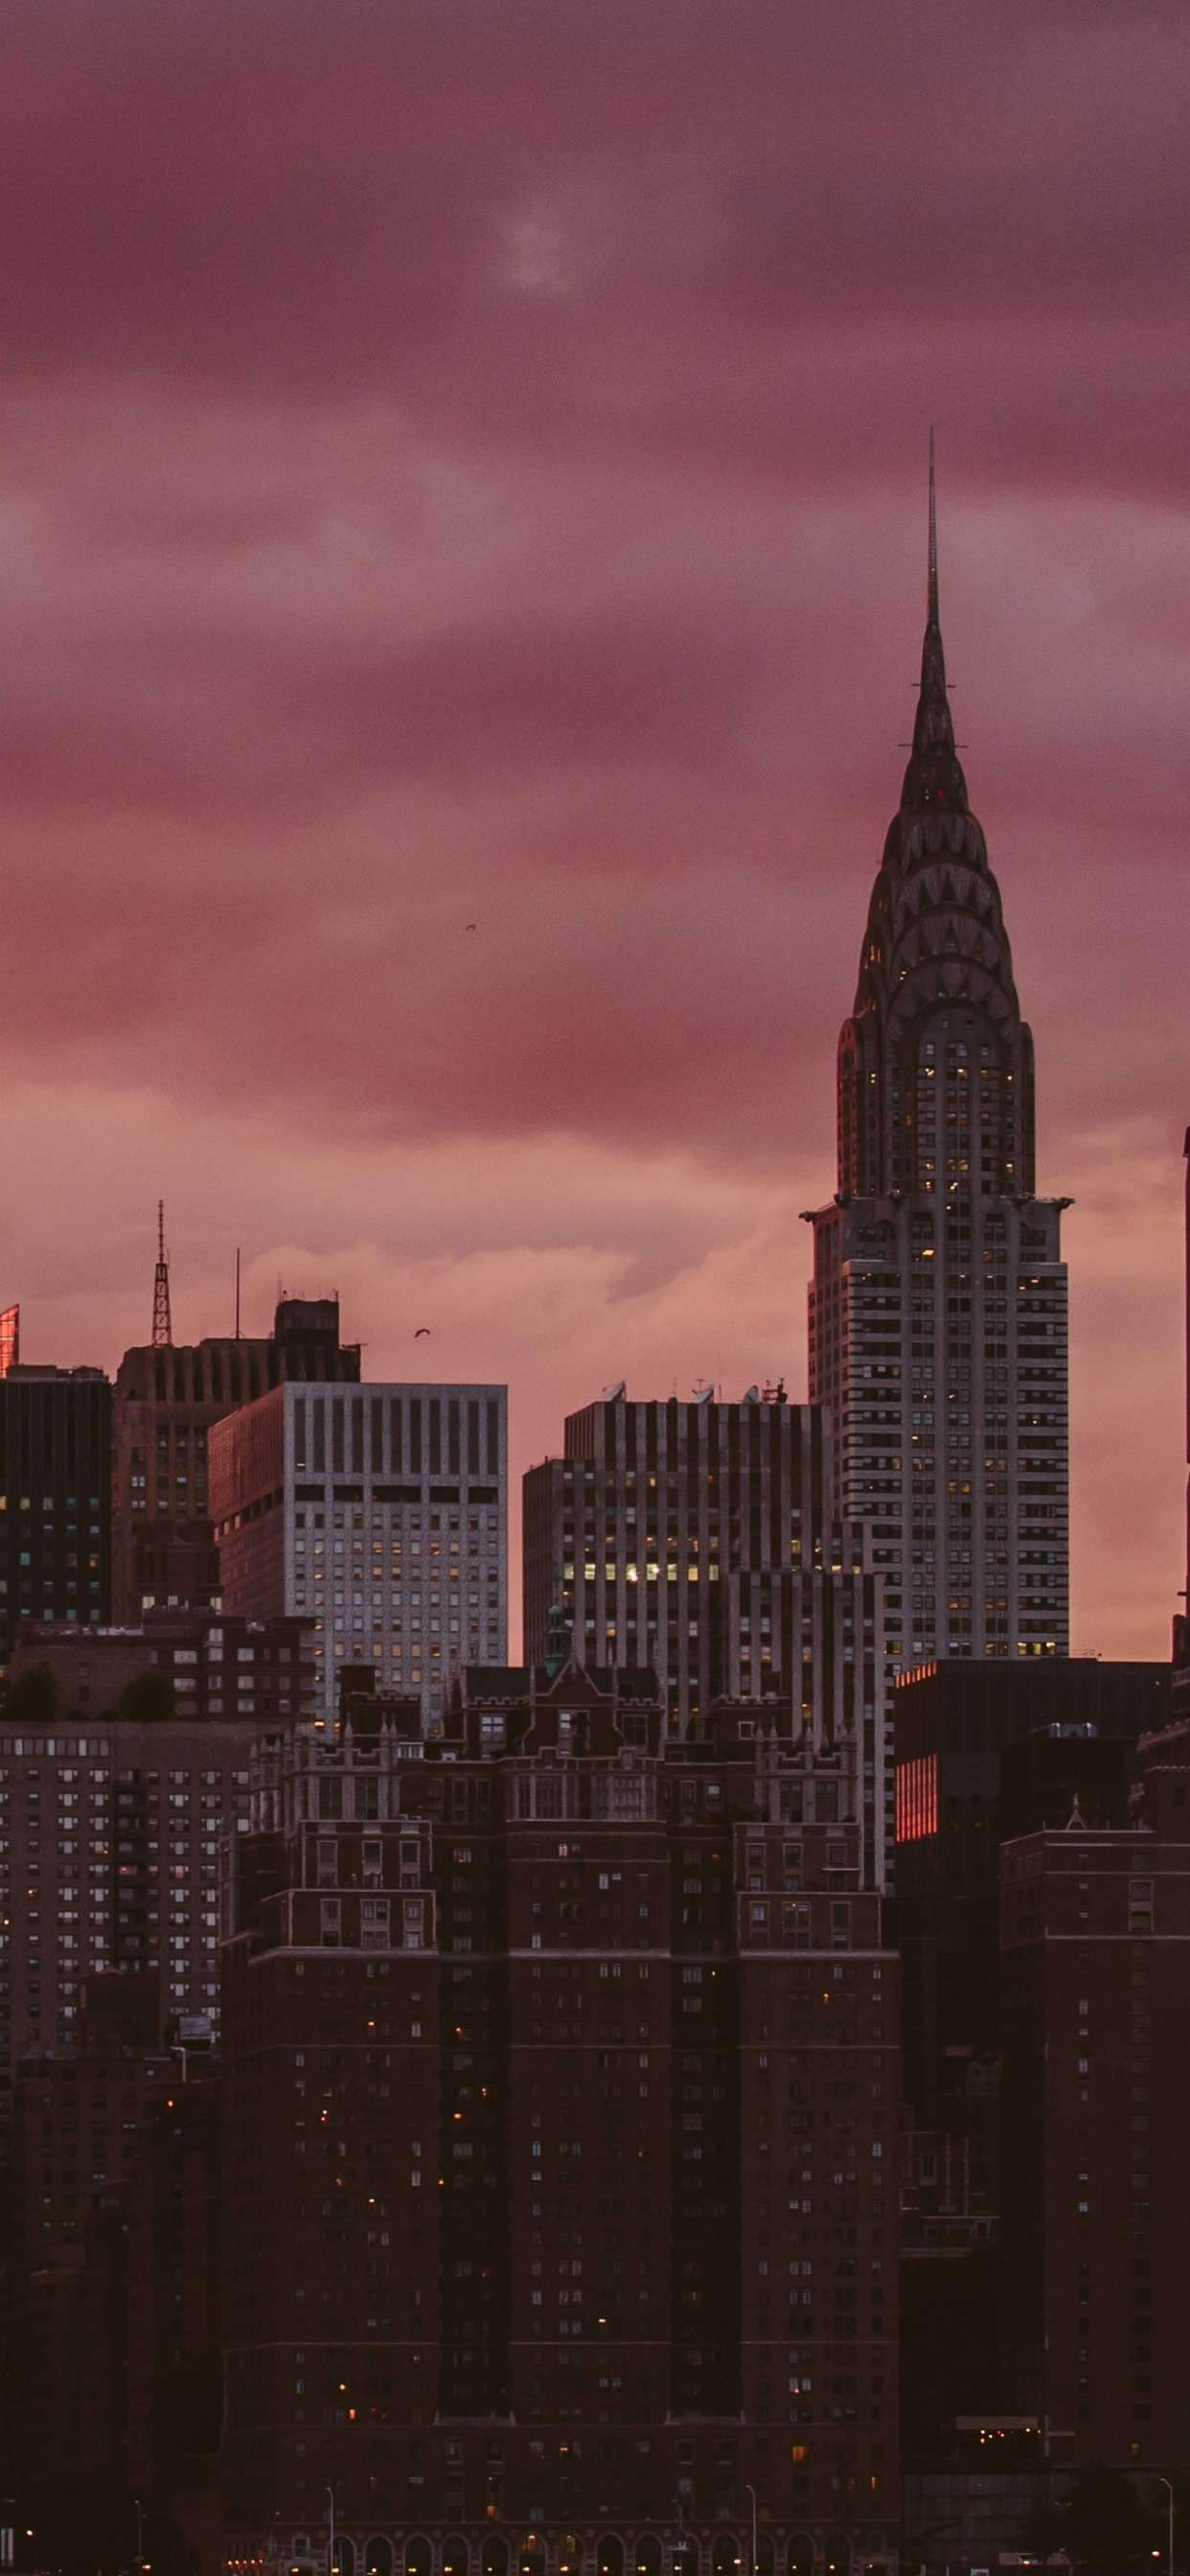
<point>935,937</point>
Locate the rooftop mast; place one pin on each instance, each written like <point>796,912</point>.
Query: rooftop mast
<point>162,1327</point>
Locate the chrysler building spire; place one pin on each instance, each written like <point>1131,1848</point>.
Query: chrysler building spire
<point>938,1311</point>
<point>932,547</point>
<point>933,776</point>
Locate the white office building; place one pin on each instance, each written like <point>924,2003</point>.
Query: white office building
<point>381,1512</point>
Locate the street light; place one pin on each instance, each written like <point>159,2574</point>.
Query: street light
<point>755,2568</point>
<point>140,2536</point>
<point>1169,2491</point>
<point>330,2547</point>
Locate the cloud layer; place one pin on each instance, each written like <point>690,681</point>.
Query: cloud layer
<point>465,467</point>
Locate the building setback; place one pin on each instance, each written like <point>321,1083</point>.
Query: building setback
<point>382,1515</point>
<point>560,2187</point>
<point>166,1400</point>
<point>698,1540</point>
<point>938,1305</point>
<point>1096,2052</point>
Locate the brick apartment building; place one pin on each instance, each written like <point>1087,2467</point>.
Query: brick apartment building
<point>1095,2011</point>
<point>562,2082</point>
<point>118,1785</point>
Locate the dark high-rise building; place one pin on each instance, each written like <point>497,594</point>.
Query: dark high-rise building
<point>561,2109</point>
<point>698,1540</point>
<point>1061,1773</point>
<point>938,1306</point>
<point>167,1398</point>
<point>55,1498</point>
<point>954,1723</point>
<point>1096,2093</point>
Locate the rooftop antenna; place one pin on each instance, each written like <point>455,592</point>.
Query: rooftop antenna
<point>237,1292</point>
<point>932,556</point>
<point>162,1328</point>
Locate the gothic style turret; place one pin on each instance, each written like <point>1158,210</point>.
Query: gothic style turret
<point>937,1316</point>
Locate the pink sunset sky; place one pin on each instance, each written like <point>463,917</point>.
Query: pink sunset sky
<point>466,463</point>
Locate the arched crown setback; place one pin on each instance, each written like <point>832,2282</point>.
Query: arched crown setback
<point>935,951</point>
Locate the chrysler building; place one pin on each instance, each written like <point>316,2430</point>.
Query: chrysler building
<point>938,1307</point>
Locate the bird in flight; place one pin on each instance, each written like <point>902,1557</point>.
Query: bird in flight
<point>422,1328</point>
<point>471,925</point>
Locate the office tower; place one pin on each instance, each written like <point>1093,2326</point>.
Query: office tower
<point>954,1725</point>
<point>10,1338</point>
<point>561,2107</point>
<point>382,1515</point>
<point>1095,1929</point>
<point>166,1400</point>
<point>698,1540</point>
<point>110,1824</point>
<point>55,1498</point>
<point>938,1305</point>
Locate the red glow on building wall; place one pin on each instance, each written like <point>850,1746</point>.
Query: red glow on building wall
<point>917,1798</point>
<point>10,1338</point>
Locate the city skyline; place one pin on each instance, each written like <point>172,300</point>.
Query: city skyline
<point>481,610</point>
<point>594,1288</point>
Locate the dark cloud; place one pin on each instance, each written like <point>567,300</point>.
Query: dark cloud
<point>487,210</point>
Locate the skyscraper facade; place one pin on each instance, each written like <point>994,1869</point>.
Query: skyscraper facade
<point>938,1305</point>
<point>381,1513</point>
<point>698,1540</point>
